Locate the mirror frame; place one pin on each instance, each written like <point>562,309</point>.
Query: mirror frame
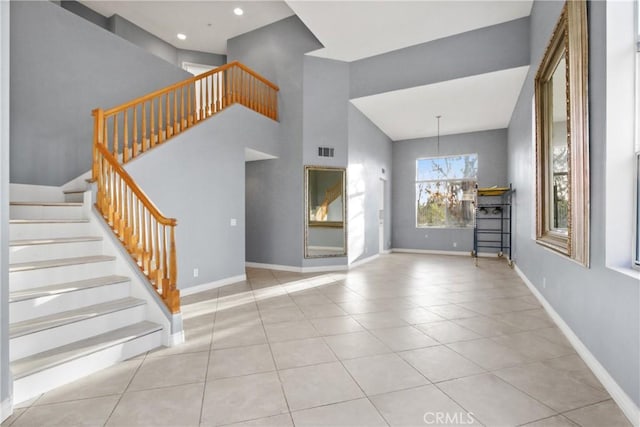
<point>569,38</point>
<point>328,224</point>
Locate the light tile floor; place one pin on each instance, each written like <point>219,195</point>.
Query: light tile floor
<point>405,340</point>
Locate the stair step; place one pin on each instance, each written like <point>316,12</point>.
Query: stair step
<point>27,327</point>
<point>52,263</point>
<point>48,359</point>
<point>74,195</point>
<point>45,371</point>
<point>77,191</point>
<point>54,204</point>
<point>47,221</point>
<point>62,288</point>
<point>42,301</point>
<point>54,241</point>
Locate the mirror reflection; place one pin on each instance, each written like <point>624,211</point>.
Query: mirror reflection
<point>560,150</point>
<point>325,232</point>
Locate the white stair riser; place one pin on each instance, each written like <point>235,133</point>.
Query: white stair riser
<point>54,251</point>
<point>50,276</point>
<point>44,306</point>
<point>47,339</point>
<point>74,197</point>
<point>48,230</point>
<point>46,212</point>
<point>33,385</point>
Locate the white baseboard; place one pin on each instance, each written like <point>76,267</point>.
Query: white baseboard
<point>386,252</point>
<point>628,407</point>
<point>438,252</point>
<point>363,261</point>
<point>6,409</point>
<point>212,285</point>
<point>293,269</point>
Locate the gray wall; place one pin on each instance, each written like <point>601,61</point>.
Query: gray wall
<point>5,374</point>
<point>325,107</point>
<point>142,38</point>
<point>600,305</point>
<point>62,67</point>
<point>491,147</point>
<point>488,49</point>
<point>202,184</point>
<point>369,153</point>
<point>274,188</point>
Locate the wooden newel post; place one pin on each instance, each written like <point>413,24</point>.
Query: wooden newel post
<point>174,303</point>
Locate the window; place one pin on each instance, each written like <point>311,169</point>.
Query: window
<point>444,191</point>
<point>562,139</point>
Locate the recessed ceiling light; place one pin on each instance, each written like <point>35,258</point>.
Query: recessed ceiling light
<point>238,11</point>
<point>181,36</point>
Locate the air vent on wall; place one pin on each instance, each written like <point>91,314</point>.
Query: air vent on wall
<point>325,151</point>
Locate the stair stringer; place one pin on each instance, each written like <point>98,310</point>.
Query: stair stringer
<point>157,311</point>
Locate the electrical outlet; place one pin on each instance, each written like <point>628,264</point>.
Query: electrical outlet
<point>195,272</point>
<point>234,222</point>
<point>455,244</point>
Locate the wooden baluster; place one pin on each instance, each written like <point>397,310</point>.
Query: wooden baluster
<point>160,123</point>
<point>202,109</point>
<point>158,273</point>
<point>144,141</point>
<point>152,135</point>
<point>219,82</point>
<point>135,131</point>
<point>168,126</point>
<point>146,258</point>
<point>189,118</point>
<point>125,138</point>
<point>209,90</point>
<point>182,120</point>
<point>115,136</point>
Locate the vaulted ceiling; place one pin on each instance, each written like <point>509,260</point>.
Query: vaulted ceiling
<point>352,30</point>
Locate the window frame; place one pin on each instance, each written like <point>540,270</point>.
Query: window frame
<point>472,182</point>
<point>569,39</point>
<point>635,261</point>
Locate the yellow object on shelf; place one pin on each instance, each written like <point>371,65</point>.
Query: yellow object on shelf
<point>492,191</point>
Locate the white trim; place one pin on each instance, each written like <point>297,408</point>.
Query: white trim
<point>176,339</point>
<point>363,261</point>
<point>437,252</point>
<point>629,408</point>
<point>327,248</point>
<point>293,269</point>
<point>386,252</point>
<point>6,409</point>
<point>212,285</point>
<point>274,267</point>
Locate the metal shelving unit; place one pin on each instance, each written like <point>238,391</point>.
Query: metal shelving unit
<point>492,226</point>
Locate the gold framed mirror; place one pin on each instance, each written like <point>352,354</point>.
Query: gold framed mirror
<point>325,232</point>
<point>562,138</point>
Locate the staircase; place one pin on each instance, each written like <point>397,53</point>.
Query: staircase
<point>70,313</point>
<point>91,287</point>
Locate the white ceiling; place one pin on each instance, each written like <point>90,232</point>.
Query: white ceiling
<point>207,24</point>
<point>351,30</point>
<point>469,104</point>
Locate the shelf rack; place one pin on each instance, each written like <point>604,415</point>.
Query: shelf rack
<point>492,225</point>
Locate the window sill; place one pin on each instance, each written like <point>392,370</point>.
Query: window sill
<point>435,227</point>
<point>627,271</point>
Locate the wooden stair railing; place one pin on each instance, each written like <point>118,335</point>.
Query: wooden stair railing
<point>331,194</point>
<point>138,125</point>
<point>146,234</point>
<point>124,132</point>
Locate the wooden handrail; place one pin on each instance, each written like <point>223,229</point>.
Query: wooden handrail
<point>124,132</point>
<point>134,187</point>
<point>193,79</point>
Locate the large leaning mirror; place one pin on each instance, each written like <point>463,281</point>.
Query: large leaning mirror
<point>325,218</point>
<point>562,138</point>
